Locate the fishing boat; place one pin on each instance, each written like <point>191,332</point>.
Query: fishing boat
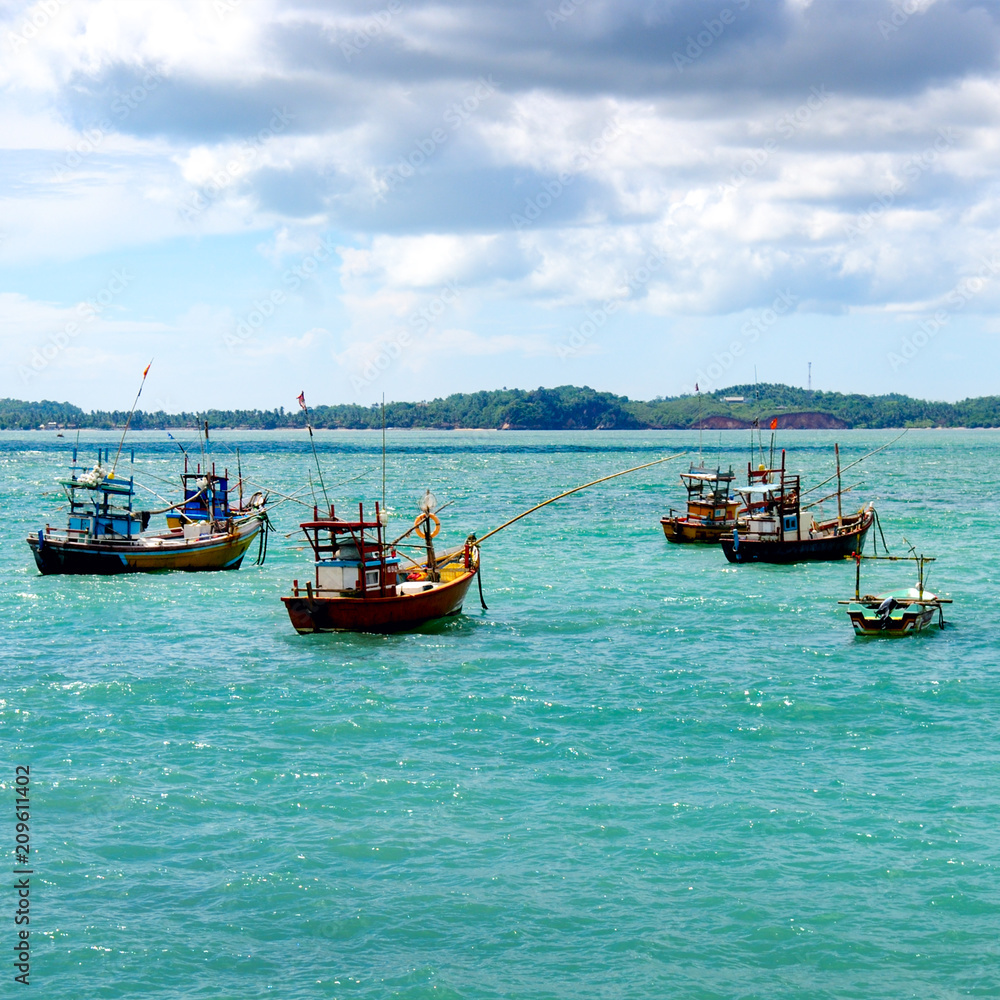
<point>711,509</point>
<point>779,529</point>
<point>206,498</point>
<point>104,534</point>
<point>359,584</point>
<point>896,612</point>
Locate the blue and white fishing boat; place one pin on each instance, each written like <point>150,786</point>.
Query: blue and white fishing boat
<point>105,534</point>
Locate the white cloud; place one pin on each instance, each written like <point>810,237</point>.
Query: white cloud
<point>592,153</point>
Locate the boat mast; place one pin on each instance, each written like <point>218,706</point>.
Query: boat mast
<point>781,505</point>
<point>425,505</point>
<point>381,549</point>
<point>701,432</point>
<point>302,403</point>
<point>127,422</point>
<point>840,503</point>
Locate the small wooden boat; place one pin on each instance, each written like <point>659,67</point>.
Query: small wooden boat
<point>358,584</point>
<point>105,535</point>
<point>897,612</point>
<point>777,529</point>
<point>711,510</point>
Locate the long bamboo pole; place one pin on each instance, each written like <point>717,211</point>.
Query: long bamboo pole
<point>577,489</point>
<point>829,496</point>
<point>813,489</point>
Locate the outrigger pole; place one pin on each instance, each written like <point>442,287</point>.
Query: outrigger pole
<point>858,462</point>
<point>577,489</point>
<point>127,422</point>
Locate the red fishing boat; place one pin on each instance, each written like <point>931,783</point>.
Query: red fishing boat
<point>359,584</point>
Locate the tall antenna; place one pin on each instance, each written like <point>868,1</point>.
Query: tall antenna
<point>810,376</point>
<point>302,403</point>
<point>383,451</point>
<point>701,429</point>
<point>127,422</point>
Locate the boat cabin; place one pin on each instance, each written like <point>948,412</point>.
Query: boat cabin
<point>206,498</point>
<point>708,495</point>
<point>351,557</point>
<point>773,506</point>
<point>99,506</point>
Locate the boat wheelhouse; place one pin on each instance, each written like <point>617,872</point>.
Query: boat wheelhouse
<point>359,584</point>
<point>711,509</point>
<point>778,529</point>
<point>206,497</point>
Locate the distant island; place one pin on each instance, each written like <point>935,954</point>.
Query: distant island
<point>563,408</point>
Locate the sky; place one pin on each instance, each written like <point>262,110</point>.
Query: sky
<point>417,198</point>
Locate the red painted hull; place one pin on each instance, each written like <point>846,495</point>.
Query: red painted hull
<point>377,614</point>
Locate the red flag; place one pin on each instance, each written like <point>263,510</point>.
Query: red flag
<point>302,399</point>
<point>696,389</point>
<point>146,371</point>
<point>774,424</point>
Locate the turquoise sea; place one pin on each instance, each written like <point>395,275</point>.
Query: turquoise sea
<point>642,773</point>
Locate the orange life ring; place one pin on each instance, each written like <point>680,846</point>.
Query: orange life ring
<point>418,523</point>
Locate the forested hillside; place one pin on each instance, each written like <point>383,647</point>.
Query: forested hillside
<point>562,408</point>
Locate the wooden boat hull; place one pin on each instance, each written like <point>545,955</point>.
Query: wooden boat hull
<point>821,549</point>
<point>377,614</point>
<point>219,551</point>
<point>681,531</point>
<point>907,621</point>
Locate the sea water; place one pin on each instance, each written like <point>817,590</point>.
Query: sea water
<point>642,773</point>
